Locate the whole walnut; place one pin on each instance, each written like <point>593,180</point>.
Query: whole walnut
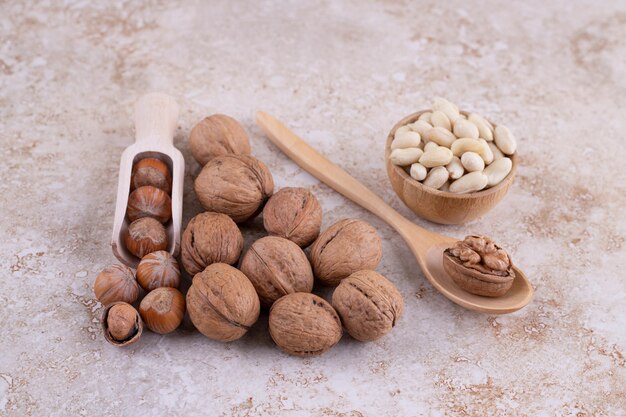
<point>222,303</point>
<point>369,305</point>
<point>276,267</point>
<point>304,324</point>
<point>347,246</point>
<point>218,135</point>
<point>236,185</point>
<point>295,214</point>
<point>210,238</point>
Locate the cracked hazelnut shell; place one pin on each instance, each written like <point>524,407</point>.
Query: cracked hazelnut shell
<point>347,246</point>
<point>151,171</point>
<point>304,324</point>
<point>218,135</point>
<point>222,303</point>
<point>369,305</point>
<point>276,267</point>
<point>144,236</point>
<point>121,324</point>
<point>116,283</point>
<point>210,238</point>
<point>236,185</point>
<point>162,310</point>
<point>295,214</point>
<point>149,201</point>
<point>158,269</point>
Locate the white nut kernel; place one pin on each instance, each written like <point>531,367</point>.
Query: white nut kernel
<point>445,186</point>
<point>401,130</point>
<point>472,162</point>
<point>497,153</point>
<point>505,140</point>
<point>418,171</point>
<point>406,140</point>
<point>425,116</point>
<point>487,153</point>
<point>465,129</point>
<point>436,178</point>
<point>430,146</point>
<point>405,157</point>
<point>468,183</point>
<point>420,127</point>
<point>460,146</point>
<point>439,118</point>
<point>484,130</point>
<point>455,168</point>
<point>450,109</point>
<point>498,170</point>
<point>440,136</point>
<point>439,156</point>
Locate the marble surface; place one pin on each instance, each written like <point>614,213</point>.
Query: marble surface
<point>340,73</point>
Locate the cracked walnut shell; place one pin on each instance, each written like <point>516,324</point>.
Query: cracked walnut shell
<point>236,185</point>
<point>222,303</point>
<point>276,267</point>
<point>347,246</point>
<point>479,266</point>
<point>218,135</point>
<point>210,238</point>
<point>369,305</point>
<point>304,324</point>
<point>295,214</point>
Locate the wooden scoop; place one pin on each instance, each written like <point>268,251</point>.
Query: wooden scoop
<point>156,117</point>
<point>427,246</point>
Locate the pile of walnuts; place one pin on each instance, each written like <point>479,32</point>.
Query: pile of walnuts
<point>275,273</point>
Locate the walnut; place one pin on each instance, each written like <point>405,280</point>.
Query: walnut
<point>295,214</point>
<point>218,135</point>
<point>479,266</point>
<point>304,324</point>
<point>369,305</point>
<point>210,238</point>
<point>222,303</point>
<point>347,246</point>
<point>276,267</point>
<point>236,185</point>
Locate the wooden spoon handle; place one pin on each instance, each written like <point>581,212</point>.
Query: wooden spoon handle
<point>329,173</point>
<point>156,116</point>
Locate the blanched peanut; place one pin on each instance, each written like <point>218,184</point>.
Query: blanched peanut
<point>439,119</point>
<point>405,157</point>
<point>418,171</point>
<point>440,136</point>
<point>472,162</point>
<point>460,146</point>
<point>439,156</point>
<point>425,116</point>
<point>455,168</point>
<point>436,177</point>
<point>497,153</point>
<point>474,181</point>
<point>420,127</point>
<point>487,153</point>
<point>450,109</point>
<point>505,140</point>
<point>406,140</point>
<point>446,185</point>
<point>484,131</point>
<point>465,129</point>
<point>401,130</point>
<point>430,146</point>
<point>498,170</point>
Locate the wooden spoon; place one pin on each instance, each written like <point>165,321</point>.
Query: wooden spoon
<point>427,246</point>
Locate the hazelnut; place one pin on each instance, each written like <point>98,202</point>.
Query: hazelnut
<point>276,267</point>
<point>162,310</point>
<point>218,135</point>
<point>295,214</point>
<point>222,303</point>
<point>149,201</point>
<point>151,171</point>
<point>145,235</point>
<point>158,269</point>
<point>304,324</point>
<point>236,185</point>
<point>347,246</point>
<point>116,283</point>
<point>369,305</point>
<point>121,324</point>
<point>479,266</point>
<point>210,238</point>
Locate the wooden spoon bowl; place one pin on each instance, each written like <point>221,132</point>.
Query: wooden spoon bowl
<point>441,206</point>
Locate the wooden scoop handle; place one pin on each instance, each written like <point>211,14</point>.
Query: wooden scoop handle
<point>156,117</point>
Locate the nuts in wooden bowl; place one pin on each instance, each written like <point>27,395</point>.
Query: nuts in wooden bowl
<point>149,201</point>
<point>151,171</point>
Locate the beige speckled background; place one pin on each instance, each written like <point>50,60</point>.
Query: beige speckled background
<point>341,74</point>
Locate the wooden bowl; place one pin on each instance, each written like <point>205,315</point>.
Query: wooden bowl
<point>441,206</point>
